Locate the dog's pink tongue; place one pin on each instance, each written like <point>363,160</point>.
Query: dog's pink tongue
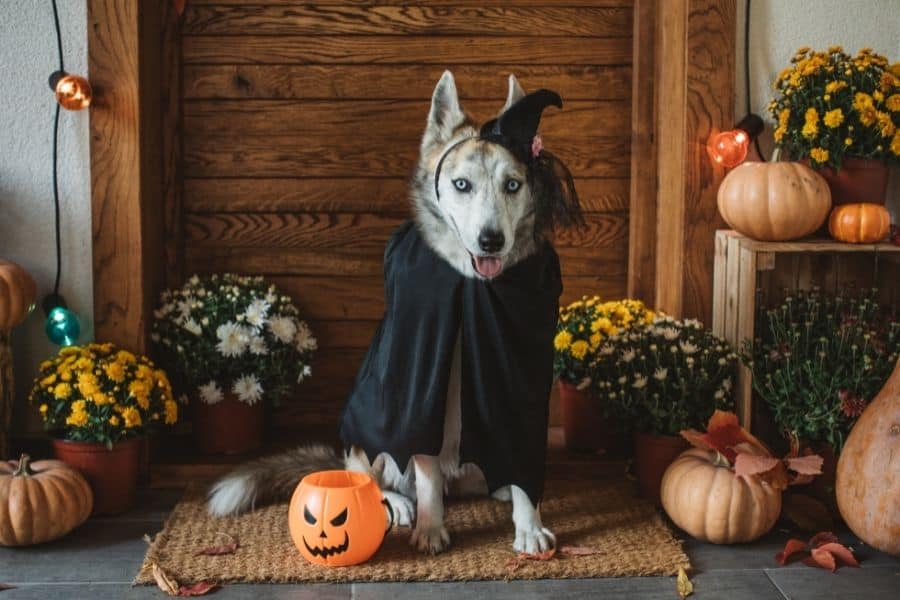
<point>488,266</point>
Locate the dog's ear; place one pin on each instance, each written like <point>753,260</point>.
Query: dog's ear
<point>445,114</point>
<point>515,94</point>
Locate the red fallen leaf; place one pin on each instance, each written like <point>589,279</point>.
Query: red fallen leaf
<point>6,586</point>
<point>840,552</point>
<point>822,559</point>
<point>791,548</point>
<point>823,551</point>
<point>579,551</point>
<point>179,6</point>
<point>228,548</point>
<point>200,588</point>
<point>522,557</point>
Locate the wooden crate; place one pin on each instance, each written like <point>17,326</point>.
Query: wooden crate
<point>747,270</point>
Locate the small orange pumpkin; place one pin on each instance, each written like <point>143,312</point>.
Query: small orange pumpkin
<point>40,501</point>
<point>863,223</point>
<point>709,502</point>
<point>17,292</point>
<point>337,518</point>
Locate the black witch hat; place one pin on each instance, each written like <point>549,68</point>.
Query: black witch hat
<point>516,130</point>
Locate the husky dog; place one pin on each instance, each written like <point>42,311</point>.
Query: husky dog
<point>482,216</point>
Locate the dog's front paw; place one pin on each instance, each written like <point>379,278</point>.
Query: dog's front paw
<point>430,540</point>
<point>532,541</point>
<point>402,508</point>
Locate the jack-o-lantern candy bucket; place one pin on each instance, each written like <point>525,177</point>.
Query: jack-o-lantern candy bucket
<point>337,518</point>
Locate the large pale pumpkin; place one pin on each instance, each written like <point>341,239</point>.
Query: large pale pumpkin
<point>775,201</point>
<point>863,223</point>
<point>40,501</point>
<point>710,503</point>
<point>868,471</point>
<point>17,292</point>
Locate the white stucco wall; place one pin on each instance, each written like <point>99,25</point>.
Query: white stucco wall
<point>27,57</point>
<point>779,27</point>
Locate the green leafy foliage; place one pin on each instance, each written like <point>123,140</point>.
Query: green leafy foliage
<point>820,359</point>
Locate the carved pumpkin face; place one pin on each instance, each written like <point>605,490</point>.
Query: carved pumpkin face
<point>337,518</point>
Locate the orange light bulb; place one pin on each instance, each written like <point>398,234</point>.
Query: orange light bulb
<point>73,92</point>
<point>729,148</point>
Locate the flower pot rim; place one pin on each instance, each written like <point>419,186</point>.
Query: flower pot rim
<point>85,446</point>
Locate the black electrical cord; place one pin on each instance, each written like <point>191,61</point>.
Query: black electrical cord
<point>55,158</point>
<point>747,73</point>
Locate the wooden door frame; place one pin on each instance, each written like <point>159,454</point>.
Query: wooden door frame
<point>682,91</point>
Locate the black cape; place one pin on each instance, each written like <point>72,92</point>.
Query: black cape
<point>506,325</point>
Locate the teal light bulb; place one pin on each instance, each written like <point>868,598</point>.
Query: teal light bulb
<point>62,326</point>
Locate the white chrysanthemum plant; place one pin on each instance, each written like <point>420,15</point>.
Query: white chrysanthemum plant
<point>666,376</point>
<point>233,334</point>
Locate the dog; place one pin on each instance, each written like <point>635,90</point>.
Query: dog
<point>478,208</point>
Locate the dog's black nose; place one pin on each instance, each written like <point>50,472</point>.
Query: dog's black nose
<point>491,240</point>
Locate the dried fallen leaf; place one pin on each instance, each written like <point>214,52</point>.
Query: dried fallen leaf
<point>747,465</point>
<point>228,548</point>
<point>522,557</point>
<point>198,589</point>
<point>6,586</point>
<point>793,548</point>
<point>823,551</point>
<point>579,551</point>
<point>683,584</point>
<point>179,6</point>
<point>164,581</point>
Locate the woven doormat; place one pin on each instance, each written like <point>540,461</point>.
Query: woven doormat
<point>628,533</point>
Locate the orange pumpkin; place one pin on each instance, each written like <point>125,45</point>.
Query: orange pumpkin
<point>710,503</point>
<point>40,501</point>
<point>17,292</point>
<point>863,223</point>
<point>868,471</point>
<point>337,518</point>
<point>774,201</point>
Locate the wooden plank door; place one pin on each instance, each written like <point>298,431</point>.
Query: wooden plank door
<point>301,125</point>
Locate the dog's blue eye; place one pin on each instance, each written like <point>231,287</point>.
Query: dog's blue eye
<point>512,186</point>
<point>462,185</point>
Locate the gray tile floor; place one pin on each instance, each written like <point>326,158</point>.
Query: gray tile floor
<point>101,558</point>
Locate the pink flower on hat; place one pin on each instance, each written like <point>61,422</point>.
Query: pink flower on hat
<point>537,144</point>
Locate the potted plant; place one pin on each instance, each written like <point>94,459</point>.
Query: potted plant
<point>663,378</point>
<point>98,401</point>
<point>582,327</point>
<point>232,343</point>
<point>841,114</point>
<point>818,362</point>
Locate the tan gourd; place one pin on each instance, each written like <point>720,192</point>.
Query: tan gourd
<point>775,201</point>
<point>40,501</point>
<point>17,292</point>
<point>868,471</point>
<point>863,223</point>
<point>710,503</point>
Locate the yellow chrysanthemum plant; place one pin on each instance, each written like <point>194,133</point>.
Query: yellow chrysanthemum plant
<point>831,105</point>
<point>582,328</point>
<point>99,393</point>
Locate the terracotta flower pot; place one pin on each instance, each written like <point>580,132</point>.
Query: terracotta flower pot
<point>858,180</point>
<point>111,473</point>
<point>585,427</point>
<point>227,427</point>
<point>652,456</point>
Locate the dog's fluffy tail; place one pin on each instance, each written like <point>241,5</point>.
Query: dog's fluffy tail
<point>268,479</point>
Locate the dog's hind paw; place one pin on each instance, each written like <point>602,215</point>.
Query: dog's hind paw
<point>402,508</point>
<point>535,540</point>
<point>430,540</point>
